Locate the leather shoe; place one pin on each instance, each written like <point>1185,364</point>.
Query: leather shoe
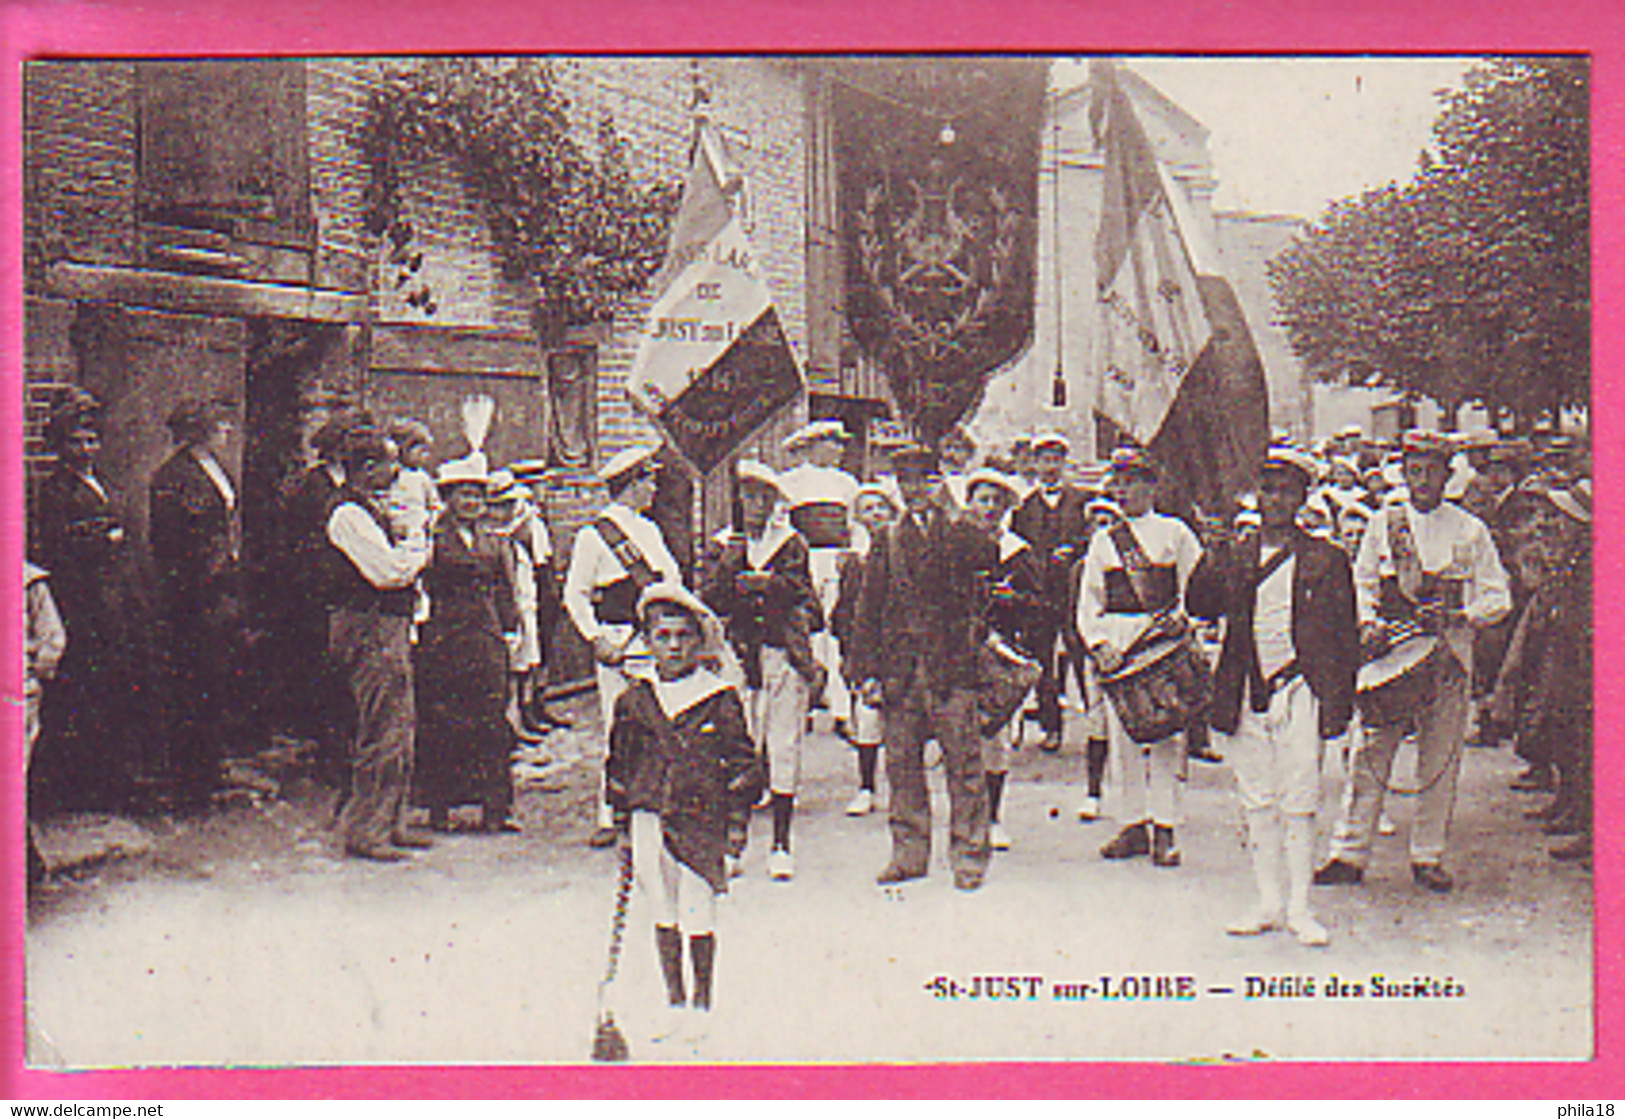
<point>375,854</point>
<point>411,841</point>
<point>1339,873</point>
<point>894,874</point>
<point>967,880</point>
<point>1432,876</point>
<point>603,837</point>
<point>1050,744</point>
<point>1129,843</point>
<point>1164,850</point>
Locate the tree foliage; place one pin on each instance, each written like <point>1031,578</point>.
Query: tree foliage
<point>1471,281</point>
<point>573,224</point>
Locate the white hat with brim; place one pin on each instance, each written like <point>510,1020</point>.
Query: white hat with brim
<point>470,470</point>
<point>818,429</point>
<point>505,487</point>
<point>624,462</point>
<point>680,596</point>
<point>1291,458</point>
<point>1104,507</point>
<point>1050,439</point>
<point>877,489</point>
<point>526,469</point>
<point>1575,502</point>
<point>987,476</point>
<point>750,470</point>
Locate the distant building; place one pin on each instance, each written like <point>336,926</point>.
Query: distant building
<point>1055,384</point>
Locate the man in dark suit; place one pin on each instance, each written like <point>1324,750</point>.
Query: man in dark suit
<point>1284,682</point>
<point>1055,525</point>
<point>194,533</point>
<point>921,617</point>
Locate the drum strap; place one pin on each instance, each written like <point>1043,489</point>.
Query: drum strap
<point>1136,564</point>
<point>630,556</point>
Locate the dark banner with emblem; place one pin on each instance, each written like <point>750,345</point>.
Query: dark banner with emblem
<point>938,184</point>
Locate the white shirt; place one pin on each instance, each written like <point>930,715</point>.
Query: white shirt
<point>1272,617</point>
<point>593,565</point>
<point>1452,543</point>
<point>1168,541</point>
<point>386,566</point>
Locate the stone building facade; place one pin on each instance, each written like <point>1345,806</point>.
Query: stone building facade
<point>1055,384</point>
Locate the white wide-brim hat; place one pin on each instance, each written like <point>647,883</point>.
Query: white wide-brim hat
<point>750,470</point>
<point>624,462</point>
<point>818,429</point>
<point>470,470</point>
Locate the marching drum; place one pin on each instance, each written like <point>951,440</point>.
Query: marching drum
<point>1399,684</point>
<point>1007,676</point>
<point>1160,691</point>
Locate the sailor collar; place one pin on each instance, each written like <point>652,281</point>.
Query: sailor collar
<point>677,696</point>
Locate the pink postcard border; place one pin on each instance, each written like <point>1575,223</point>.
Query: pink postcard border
<point>178,27</point>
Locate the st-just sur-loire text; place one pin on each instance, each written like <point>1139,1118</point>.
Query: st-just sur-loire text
<point>1377,986</point>
<point>1104,988</point>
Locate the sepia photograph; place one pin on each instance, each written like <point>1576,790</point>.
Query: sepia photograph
<point>582,559</point>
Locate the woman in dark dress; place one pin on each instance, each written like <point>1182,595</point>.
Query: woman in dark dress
<point>94,713</point>
<point>463,736</point>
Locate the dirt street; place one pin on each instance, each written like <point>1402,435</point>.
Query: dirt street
<point>244,938</point>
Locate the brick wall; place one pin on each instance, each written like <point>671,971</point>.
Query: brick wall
<point>79,157</point>
<point>336,95</point>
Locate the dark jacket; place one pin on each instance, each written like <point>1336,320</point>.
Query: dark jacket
<point>699,779</point>
<point>1325,630</point>
<point>193,536</point>
<point>924,605</point>
<point>784,613</point>
<point>1058,537</point>
<point>1017,609</point>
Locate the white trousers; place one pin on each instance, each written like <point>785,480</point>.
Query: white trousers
<point>776,716</point>
<point>1144,780</point>
<point>1275,754</point>
<point>676,895</point>
<point>1441,727</point>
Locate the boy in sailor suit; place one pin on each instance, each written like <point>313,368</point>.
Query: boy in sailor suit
<point>613,560</point>
<point>1147,779</point>
<point>680,769</point>
<point>756,578</point>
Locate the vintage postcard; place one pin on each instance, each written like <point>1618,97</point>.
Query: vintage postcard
<point>699,556</point>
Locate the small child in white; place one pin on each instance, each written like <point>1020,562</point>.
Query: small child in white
<point>680,766</point>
